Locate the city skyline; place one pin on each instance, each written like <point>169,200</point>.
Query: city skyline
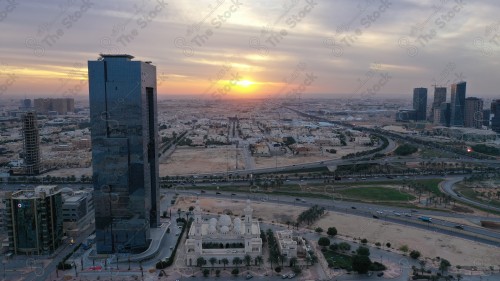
<point>358,49</point>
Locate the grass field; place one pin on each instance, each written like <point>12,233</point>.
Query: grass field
<point>376,194</point>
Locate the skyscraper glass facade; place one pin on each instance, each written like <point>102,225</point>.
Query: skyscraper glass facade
<point>124,152</point>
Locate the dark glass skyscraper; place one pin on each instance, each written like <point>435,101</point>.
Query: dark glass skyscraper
<point>124,152</point>
<point>420,103</point>
<point>457,115</point>
<point>495,113</point>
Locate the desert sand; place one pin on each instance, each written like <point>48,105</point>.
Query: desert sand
<point>430,244</point>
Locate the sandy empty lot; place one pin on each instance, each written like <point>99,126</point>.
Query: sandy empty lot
<point>190,160</point>
<point>430,244</point>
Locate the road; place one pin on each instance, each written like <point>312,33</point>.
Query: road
<point>448,187</point>
<point>388,214</point>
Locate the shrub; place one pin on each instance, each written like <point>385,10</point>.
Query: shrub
<point>206,272</point>
<point>414,254</point>
<point>235,272</point>
<point>277,269</point>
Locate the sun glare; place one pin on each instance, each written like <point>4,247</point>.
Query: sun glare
<point>245,83</point>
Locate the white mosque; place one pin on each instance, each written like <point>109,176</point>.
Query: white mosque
<point>223,237</point>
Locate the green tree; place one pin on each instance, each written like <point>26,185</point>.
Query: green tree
<point>200,262</point>
<point>443,266</point>
<point>363,251</point>
<point>361,263</point>
<point>318,229</point>
<point>248,260</point>
<point>206,272</point>
<point>237,261</point>
<point>212,261</point>
<point>225,261</point>
<point>324,242</point>
<point>259,260</point>
<point>332,231</point>
<point>344,246</point>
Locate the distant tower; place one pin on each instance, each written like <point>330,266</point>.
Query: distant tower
<point>495,115</point>
<point>473,113</point>
<point>457,113</point>
<point>31,144</point>
<point>420,103</point>
<point>439,98</point>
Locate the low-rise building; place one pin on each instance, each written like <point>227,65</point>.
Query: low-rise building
<point>223,238</point>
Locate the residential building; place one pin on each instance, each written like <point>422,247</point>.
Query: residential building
<point>31,144</point>
<point>473,113</point>
<point>124,136</point>
<point>60,105</point>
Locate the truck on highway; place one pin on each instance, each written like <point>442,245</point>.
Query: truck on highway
<point>426,219</point>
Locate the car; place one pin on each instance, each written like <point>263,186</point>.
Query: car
<point>233,194</point>
<point>413,211</point>
<point>374,216</point>
<point>218,193</point>
<point>380,274</point>
<point>297,199</point>
<point>203,191</point>
<point>352,207</point>
<point>249,276</point>
<point>408,214</point>
<point>397,214</point>
<point>460,226</point>
<point>284,276</point>
<point>380,212</point>
<point>337,178</point>
<point>291,275</point>
<point>390,177</point>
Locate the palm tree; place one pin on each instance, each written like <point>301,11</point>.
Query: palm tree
<point>200,262</point>
<point>212,261</point>
<point>259,260</point>
<point>248,260</point>
<point>225,262</point>
<point>237,261</point>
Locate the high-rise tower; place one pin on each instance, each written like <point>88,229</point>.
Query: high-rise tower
<point>473,113</point>
<point>31,144</point>
<point>124,152</point>
<point>439,98</point>
<point>457,114</point>
<point>420,103</point>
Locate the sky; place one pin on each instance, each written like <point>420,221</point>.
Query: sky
<point>363,49</point>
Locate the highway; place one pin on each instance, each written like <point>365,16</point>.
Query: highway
<point>473,233</point>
